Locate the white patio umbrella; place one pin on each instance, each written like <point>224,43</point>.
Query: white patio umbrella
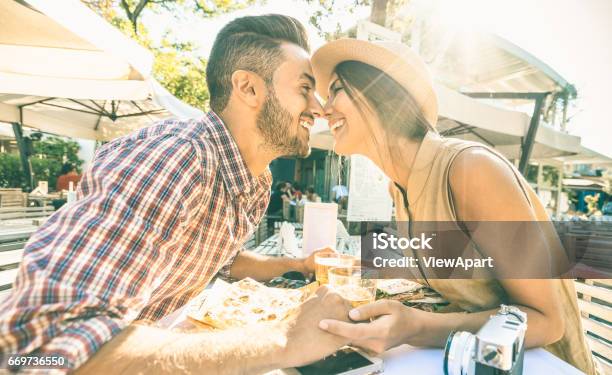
<point>67,71</point>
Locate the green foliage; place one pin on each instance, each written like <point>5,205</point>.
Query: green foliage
<point>532,173</point>
<point>11,175</point>
<point>49,156</point>
<point>176,65</point>
<point>550,174</point>
<point>46,170</point>
<point>132,10</point>
<point>181,73</point>
<point>58,149</point>
<point>325,13</point>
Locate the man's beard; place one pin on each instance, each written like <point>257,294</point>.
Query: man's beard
<point>274,122</point>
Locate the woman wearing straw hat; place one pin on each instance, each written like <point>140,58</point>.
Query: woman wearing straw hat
<point>381,104</point>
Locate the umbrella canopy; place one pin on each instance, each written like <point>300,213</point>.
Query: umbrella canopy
<point>584,156</point>
<point>503,129</point>
<point>100,120</point>
<point>67,71</point>
<point>63,49</point>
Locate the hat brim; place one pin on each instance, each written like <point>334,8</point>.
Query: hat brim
<point>413,78</point>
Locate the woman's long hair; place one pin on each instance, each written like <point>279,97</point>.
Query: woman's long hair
<point>371,90</point>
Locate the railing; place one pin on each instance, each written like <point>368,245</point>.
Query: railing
<point>10,213</point>
<point>594,297</point>
<point>13,198</point>
<point>12,241</point>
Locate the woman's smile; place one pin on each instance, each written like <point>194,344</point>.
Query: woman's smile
<point>336,126</point>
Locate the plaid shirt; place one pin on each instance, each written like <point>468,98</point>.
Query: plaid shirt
<point>160,212</point>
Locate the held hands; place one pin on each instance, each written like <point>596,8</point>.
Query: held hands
<point>306,342</point>
<point>375,327</point>
<point>394,324</point>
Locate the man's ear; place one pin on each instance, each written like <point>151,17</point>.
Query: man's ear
<point>248,87</point>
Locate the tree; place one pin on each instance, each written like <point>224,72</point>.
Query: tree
<point>182,73</point>
<point>134,9</point>
<point>49,156</point>
<point>176,66</point>
<point>11,175</point>
<point>383,12</point>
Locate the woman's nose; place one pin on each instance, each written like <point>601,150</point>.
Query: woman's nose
<point>328,109</point>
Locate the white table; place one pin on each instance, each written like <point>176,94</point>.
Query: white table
<point>407,360</point>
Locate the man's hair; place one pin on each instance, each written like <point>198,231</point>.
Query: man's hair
<point>67,167</point>
<point>280,185</point>
<point>249,43</point>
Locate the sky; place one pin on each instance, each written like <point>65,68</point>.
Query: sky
<point>571,36</point>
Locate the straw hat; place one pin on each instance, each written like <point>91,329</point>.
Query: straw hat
<point>395,59</point>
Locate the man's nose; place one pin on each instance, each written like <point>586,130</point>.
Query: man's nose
<point>315,107</point>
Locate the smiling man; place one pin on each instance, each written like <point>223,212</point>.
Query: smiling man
<point>162,211</point>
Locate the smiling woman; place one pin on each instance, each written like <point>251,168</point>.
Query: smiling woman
<point>381,104</point>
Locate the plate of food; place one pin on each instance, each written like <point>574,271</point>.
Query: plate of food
<point>245,302</point>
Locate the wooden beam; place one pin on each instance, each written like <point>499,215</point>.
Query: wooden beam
<point>600,347</point>
<point>594,309</point>
<point>597,328</point>
<point>10,257</point>
<point>603,294</point>
<point>7,278</point>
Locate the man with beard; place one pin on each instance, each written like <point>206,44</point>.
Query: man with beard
<point>162,211</point>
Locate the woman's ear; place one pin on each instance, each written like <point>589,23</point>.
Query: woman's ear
<point>249,88</point>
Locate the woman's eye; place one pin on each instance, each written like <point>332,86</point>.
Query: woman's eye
<point>336,89</point>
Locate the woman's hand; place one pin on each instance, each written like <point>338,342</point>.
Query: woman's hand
<point>393,324</point>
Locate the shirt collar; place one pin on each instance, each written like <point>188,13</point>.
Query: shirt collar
<point>422,166</point>
<point>236,175</point>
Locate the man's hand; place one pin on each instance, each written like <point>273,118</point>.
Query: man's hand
<point>306,342</point>
<point>263,268</point>
<point>394,324</point>
<point>308,264</point>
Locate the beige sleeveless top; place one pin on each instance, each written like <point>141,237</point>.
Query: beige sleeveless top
<point>429,199</point>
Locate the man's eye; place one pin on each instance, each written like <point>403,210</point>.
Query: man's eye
<point>306,89</point>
